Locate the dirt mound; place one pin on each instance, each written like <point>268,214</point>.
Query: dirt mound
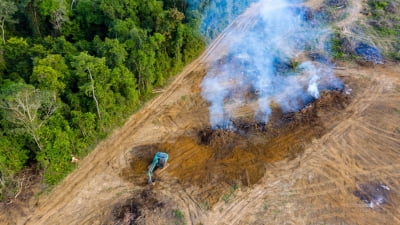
<point>138,165</point>
<point>223,140</point>
<point>134,210</point>
<point>126,214</point>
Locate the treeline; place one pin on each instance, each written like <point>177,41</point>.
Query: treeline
<point>71,70</point>
<point>217,14</point>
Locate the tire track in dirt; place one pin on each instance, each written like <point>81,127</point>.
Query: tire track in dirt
<point>373,163</point>
<point>309,181</point>
<point>95,161</point>
<point>353,12</point>
<point>358,164</point>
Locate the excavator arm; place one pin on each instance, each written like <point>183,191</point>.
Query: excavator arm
<point>151,169</point>
<point>160,156</point>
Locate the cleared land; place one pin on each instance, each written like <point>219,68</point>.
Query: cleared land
<point>335,162</point>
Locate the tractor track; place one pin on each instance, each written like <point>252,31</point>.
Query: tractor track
<point>316,187</point>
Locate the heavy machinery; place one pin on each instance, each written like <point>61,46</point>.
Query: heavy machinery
<point>159,161</point>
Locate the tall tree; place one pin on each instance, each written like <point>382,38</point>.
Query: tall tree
<point>17,57</point>
<point>7,10</point>
<point>113,51</point>
<point>27,108</point>
<point>88,70</point>
<point>92,73</point>
<point>48,73</point>
<point>57,10</point>
<point>12,159</point>
<point>123,85</point>
<point>55,158</point>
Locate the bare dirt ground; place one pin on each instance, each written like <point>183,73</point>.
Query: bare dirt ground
<point>335,162</point>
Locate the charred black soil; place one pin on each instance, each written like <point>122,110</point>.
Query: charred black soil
<point>135,209</point>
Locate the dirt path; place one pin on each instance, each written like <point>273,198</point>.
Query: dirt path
<point>316,187</point>
<point>91,188</point>
<point>353,12</point>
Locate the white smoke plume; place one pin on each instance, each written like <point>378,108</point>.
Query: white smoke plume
<point>272,60</point>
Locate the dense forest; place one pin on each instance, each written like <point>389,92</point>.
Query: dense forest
<point>71,70</point>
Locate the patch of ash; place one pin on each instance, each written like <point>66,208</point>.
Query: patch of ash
<point>373,194</point>
<point>134,210</point>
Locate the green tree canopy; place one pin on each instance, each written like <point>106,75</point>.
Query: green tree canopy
<point>27,108</point>
<point>49,72</point>
<point>74,69</point>
<point>7,10</point>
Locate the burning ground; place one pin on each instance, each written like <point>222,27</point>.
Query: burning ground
<point>327,157</point>
<point>226,157</point>
<point>271,62</point>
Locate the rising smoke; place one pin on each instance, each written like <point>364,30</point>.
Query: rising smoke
<point>271,61</point>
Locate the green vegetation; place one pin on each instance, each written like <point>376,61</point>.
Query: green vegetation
<point>340,48</point>
<point>377,4</point>
<point>266,206</point>
<point>71,71</point>
<point>384,24</point>
<point>205,205</point>
<point>336,48</point>
<point>226,197</point>
<point>180,217</point>
<point>381,26</point>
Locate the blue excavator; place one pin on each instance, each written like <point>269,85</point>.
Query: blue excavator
<point>159,161</point>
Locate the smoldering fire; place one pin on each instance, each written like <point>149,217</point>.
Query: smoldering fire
<point>271,59</point>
